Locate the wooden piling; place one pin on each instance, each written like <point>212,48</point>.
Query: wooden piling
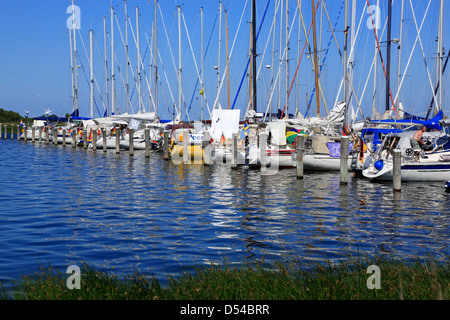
<point>263,151</point>
<point>166,145</point>
<point>74,138</point>
<point>55,136</point>
<point>147,142</point>
<point>47,136</point>
<point>344,160</point>
<point>131,142</point>
<point>300,152</point>
<point>0,130</point>
<point>94,140</point>
<point>40,134</point>
<point>6,132</point>
<point>33,134</point>
<point>18,132</point>
<point>397,170</point>
<point>234,138</point>
<point>25,135</point>
<point>64,138</point>
<point>117,140</point>
<point>185,147</point>
<point>207,149</point>
<point>85,138</point>
<point>105,147</point>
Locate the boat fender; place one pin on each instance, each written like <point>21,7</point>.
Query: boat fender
<point>379,165</point>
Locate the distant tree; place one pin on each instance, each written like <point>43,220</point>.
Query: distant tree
<point>9,116</point>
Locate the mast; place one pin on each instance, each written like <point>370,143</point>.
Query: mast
<point>75,61</point>
<point>155,94</point>
<point>91,43</point>
<point>228,61</point>
<point>128,57</point>
<point>374,97</point>
<point>286,114</point>
<point>202,98</point>
<point>316,64</point>
<point>346,91</point>
<point>399,70</point>
<point>72,70</point>
<point>220,44</point>
<point>138,45</point>
<point>106,65</point>
<point>388,54</point>
<point>179,59</point>
<point>113,85</point>
<point>254,93</point>
<point>441,53</point>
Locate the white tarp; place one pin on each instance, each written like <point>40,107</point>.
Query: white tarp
<point>224,122</point>
<point>278,130</point>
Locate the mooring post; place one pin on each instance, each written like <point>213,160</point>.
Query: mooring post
<point>64,138</point>
<point>33,134</point>
<point>344,160</point>
<point>263,151</point>
<point>397,170</point>
<point>85,139</point>
<point>300,151</point>
<point>104,140</point>
<point>147,142</point>
<point>40,133</point>
<point>234,138</point>
<point>74,138</point>
<point>55,136</point>
<point>6,132</point>
<point>207,148</point>
<point>131,142</point>
<point>94,140</point>
<point>25,135</point>
<point>0,130</point>
<point>117,140</point>
<point>18,132</point>
<point>185,147</point>
<point>166,145</point>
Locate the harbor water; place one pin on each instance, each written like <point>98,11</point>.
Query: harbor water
<point>64,206</point>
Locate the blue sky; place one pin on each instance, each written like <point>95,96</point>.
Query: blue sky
<point>35,69</point>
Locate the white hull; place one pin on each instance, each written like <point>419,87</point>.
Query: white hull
<point>323,162</point>
<point>412,171</point>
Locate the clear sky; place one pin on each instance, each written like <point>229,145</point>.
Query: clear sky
<point>35,65</point>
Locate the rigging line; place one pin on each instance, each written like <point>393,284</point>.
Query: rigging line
<point>195,63</point>
<point>265,50</point>
<point>204,56</point>
<point>381,58</point>
<point>304,46</point>
<point>325,56</point>
<point>84,71</point>
<point>248,63</point>
<point>231,54</point>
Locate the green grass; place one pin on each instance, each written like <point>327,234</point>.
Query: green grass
<point>281,281</point>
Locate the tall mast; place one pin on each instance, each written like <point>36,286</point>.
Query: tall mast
<point>374,97</point>
<point>399,70</point>
<point>316,64</point>
<point>202,98</point>
<point>113,85</point>
<point>106,65</point>
<point>155,94</point>
<point>75,60</point>
<point>254,93</point>
<point>441,53</point>
<point>91,43</point>
<point>346,91</point>
<point>128,57</point>
<point>286,114</point>
<point>228,60</point>
<point>220,45</point>
<point>138,45</point>
<point>72,70</point>
<point>179,60</point>
<point>388,60</point>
